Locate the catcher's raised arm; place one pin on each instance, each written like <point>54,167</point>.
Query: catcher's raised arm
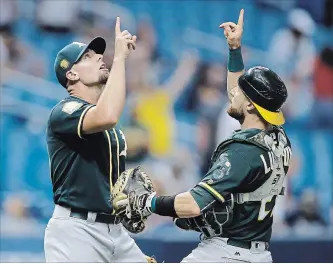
<point>233,33</point>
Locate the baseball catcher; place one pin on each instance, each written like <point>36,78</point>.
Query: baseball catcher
<point>232,206</point>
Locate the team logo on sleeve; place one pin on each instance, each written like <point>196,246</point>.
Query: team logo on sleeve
<point>223,167</point>
<point>71,107</point>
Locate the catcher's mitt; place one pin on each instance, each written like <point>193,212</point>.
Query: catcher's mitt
<point>129,196</point>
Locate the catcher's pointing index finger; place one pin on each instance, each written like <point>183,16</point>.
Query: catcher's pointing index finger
<point>241,18</point>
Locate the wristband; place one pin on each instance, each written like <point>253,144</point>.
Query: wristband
<point>149,203</point>
<point>153,204</point>
<point>164,205</point>
<point>235,60</point>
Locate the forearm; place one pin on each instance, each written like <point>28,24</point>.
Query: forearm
<point>112,99</point>
<point>235,68</point>
<point>186,206</point>
<point>181,205</point>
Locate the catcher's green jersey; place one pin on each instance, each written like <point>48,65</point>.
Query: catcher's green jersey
<point>83,167</point>
<point>252,165</point>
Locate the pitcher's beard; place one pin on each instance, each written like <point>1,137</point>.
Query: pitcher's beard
<point>103,78</point>
<point>236,114</point>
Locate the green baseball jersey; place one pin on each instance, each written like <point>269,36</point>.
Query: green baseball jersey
<point>251,165</point>
<point>83,167</point>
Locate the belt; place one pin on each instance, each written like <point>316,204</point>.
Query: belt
<point>246,244</point>
<point>100,217</point>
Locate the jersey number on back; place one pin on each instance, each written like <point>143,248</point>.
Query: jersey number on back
<point>273,166</point>
<point>266,207</point>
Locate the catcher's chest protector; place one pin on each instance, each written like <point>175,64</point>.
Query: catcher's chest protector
<point>273,145</point>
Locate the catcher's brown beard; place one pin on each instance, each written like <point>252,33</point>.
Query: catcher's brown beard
<point>238,115</point>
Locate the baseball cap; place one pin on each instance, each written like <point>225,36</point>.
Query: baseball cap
<point>72,53</point>
<point>266,91</point>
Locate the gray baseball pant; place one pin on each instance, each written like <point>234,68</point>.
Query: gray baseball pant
<point>217,250</point>
<point>69,239</point>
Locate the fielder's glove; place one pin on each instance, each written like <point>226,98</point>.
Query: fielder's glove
<point>132,195</point>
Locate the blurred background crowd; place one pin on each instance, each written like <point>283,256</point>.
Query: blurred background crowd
<point>176,98</point>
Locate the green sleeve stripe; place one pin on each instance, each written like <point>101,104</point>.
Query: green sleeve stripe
<point>79,126</point>
<point>213,192</point>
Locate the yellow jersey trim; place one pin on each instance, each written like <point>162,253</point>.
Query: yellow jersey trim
<point>110,155</point>
<point>115,133</point>
<point>213,192</point>
<point>80,121</point>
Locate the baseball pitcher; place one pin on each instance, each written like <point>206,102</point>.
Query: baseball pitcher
<point>87,153</point>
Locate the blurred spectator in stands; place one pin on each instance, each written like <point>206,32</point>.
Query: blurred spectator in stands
<point>143,66</point>
<point>203,141</point>
<point>328,16</point>
<point>92,25</point>
<point>137,139</point>
<point>291,55</point>
<point>97,18</point>
<point>57,20</point>
<point>106,12</point>
<point>87,22</point>
<point>8,14</point>
<point>4,58</point>
<point>147,37</point>
<point>58,16</point>
<point>20,55</point>
<point>16,219</point>
<point>138,150</point>
<point>322,112</point>
<point>153,103</point>
<point>306,220</point>
<point>225,125</point>
<point>183,173</point>
<point>206,100</point>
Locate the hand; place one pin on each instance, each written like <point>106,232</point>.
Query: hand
<point>124,42</point>
<point>124,205</point>
<point>133,211</point>
<point>132,196</point>
<point>233,32</point>
<point>133,191</point>
<point>120,203</point>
